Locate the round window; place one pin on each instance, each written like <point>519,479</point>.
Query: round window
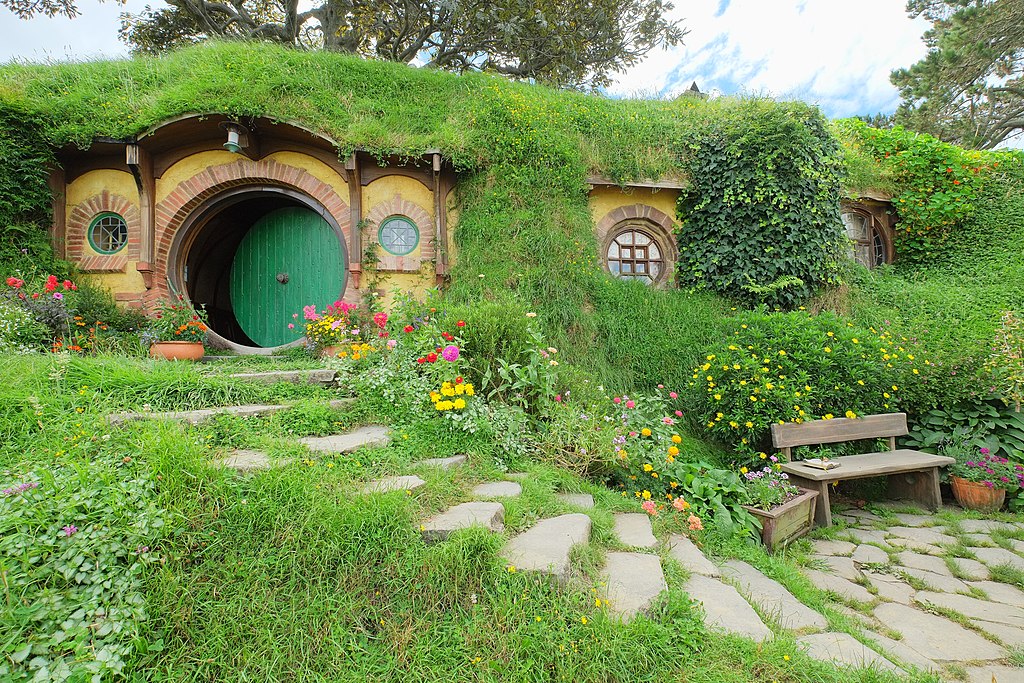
<point>108,233</point>
<point>635,254</point>
<point>398,235</point>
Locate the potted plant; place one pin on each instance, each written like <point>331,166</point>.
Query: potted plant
<point>330,332</point>
<point>178,331</point>
<point>981,482</point>
<point>786,511</point>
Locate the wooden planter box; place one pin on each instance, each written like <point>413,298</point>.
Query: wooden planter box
<point>788,521</point>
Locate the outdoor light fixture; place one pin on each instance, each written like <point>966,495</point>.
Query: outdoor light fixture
<point>238,136</point>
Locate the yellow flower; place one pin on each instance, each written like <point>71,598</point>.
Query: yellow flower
<point>676,438</point>
<point>460,403</point>
<point>828,350</point>
<point>749,424</point>
<point>469,390</point>
<point>645,431</point>
<point>673,451</point>
<point>850,414</point>
<point>646,495</point>
<point>743,470</point>
<point>648,467</point>
<point>583,620</point>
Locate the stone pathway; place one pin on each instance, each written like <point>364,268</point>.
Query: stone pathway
<point>497,489</point>
<point>772,598</point>
<point>583,501</point>
<point>196,416</point>
<point>442,463</point>
<point>371,436</point>
<point>440,527</point>
<point>389,484</point>
<point>545,546</point>
<point>632,582</point>
<point>321,377</point>
<point>634,529</point>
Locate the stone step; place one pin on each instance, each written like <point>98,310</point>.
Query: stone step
<point>389,484</point>
<point>976,610</point>
<point>583,501</point>
<point>634,529</point>
<point>842,648</point>
<point>245,461</point>
<point>682,550</point>
<point>440,527</point>
<point>342,403</point>
<point>935,637</point>
<point>370,436</point>
<point>725,608</point>
<point>772,597</point>
<point>443,463</point>
<point>196,416</point>
<point>831,583</point>
<point>320,376</point>
<point>497,489</point>
<point>895,650</point>
<point>995,557</point>
<point>545,546</point>
<point>633,581</point>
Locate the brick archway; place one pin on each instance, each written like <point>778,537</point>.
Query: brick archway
<point>657,223</point>
<point>397,206</point>
<point>81,218</point>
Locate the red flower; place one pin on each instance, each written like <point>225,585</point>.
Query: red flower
<point>461,323</point>
<point>458,380</point>
<point>35,295</point>
<point>407,329</point>
<point>67,284</point>
<point>51,283</point>
<point>438,349</point>
<point>15,282</point>
<point>421,360</point>
<point>431,357</point>
<point>447,337</point>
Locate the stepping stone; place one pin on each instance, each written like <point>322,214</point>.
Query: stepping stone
<point>994,673</point>
<point>901,651</point>
<point>977,540</point>
<point>682,550</point>
<point>341,403</point>
<point>935,637</point>
<point>1010,636</point>
<point>891,588</point>
<point>371,436</point>
<point>911,520</point>
<point>973,569</point>
<point>498,489</point>
<point>841,566</point>
<point>838,585</point>
<point>443,463</point>
<point>245,461</point>
<point>921,535</point>
<point>939,582</point>
<point>545,546</point>
<point>725,609</point>
<point>579,500</point>
<point>1015,545</point>
<point>928,563</point>
<point>906,543</point>
<point>976,526</point>
<point>833,547</point>
<point>196,416</point>
<point>772,597</point>
<point>634,529</point>
<point>842,648</point>
<point>389,484</point>
<point>870,554</point>
<point>994,557</point>
<point>863,515</point>
<point>1000,592</point>
<point>321,376</point>
<point>975,609</point>
<point>633,581</point>
<point>867,536</point>
<point>517,476</point>
<point>440,527</point>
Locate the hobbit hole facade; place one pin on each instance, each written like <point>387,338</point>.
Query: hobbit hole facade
<point>256,234</point>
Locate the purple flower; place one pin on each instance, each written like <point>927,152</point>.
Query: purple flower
<point>450,353</point>
<point>20,488</point>
<point>983,451</point>
<point>70,530</point>
<point>58,296</point>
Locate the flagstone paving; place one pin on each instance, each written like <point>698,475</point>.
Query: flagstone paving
<point>197,416</point>
<point>725,608</point>
<point>683,551</point>
<point>545,546</point>
<point>772,598</point>
<point>498,489</point>
<point>579,500</point>
<point>389,484</point>
<point>443,463</point>
<point>440,527</point>
<point>371,436</point>
<point>634,529</point>
<point>842,648</point>
<point>632,582</point>
<point>320,376</point>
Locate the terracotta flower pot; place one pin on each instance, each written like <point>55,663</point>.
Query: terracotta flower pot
<point>332,351</point>
<point>786,522</point>
<point>177,350</point>
<point>974,495</point>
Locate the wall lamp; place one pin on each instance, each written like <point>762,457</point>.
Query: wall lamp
<point>238,136</point>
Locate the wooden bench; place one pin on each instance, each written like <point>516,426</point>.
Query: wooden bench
<point>911,474</point>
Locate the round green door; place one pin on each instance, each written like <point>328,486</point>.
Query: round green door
<point>290,258</point>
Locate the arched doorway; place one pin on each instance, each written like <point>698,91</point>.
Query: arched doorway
<point>254,256</point>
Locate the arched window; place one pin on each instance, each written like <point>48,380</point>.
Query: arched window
<point>108,233</point>
<point>868,244</point>
<point>635,252</point>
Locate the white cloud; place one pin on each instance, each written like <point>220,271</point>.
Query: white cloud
<point>93,34</point>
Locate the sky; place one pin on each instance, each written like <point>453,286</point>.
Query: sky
<point>833,53</point>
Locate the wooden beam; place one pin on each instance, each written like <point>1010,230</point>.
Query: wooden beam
<point>355,203</point>
<point>59,227</point>
<point>141,164</point>
<point>839,429</point>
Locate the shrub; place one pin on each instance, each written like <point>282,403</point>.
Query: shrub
<point>19,332</point>
<point>793,367</point>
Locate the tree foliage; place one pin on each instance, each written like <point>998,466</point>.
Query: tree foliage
<point>570,43</point>
<point>969,89</point>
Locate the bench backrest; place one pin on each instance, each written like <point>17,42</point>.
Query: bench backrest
<point>887,425</point>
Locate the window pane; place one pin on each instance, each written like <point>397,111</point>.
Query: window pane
<point>641,267</point>
<point>655,270</point>
<point>654,252</point>
<point>856,226</point>
<point>879,249</point>
<point>108,233</point>
<point>613,266</point>
<point>641,238</point>
<point>613,250</point>
<point>626,238</point>
<point>398,235</point>
<point>627,268</point>
<point>627,252</point>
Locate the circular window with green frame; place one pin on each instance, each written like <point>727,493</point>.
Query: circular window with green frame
<point>108,233</point>
<point>398,235</point>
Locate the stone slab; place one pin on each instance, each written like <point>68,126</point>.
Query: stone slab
<point>891,588</point>
<point>870,554</point>
<point>634,529</point>
<point>1010,636</point>
<point>1000,592</point>
<point>197,416</point>
<point>939,582</point>
<point>370,436</point>
<point>841,566</point>
<point>912,520</point>
<point>904,653</point>
<point>389,484</point>
<point>833,547</point>
<point>772,597</point>
<point>443,463</point>
<point>929,563</point>
<point>920,535</point>
<point>725,609</point>
<point>838,585</point>
<point>985,526</point>
<point>972,569</point>
<point>977,540</point>
<point>994,673</point>
<point>245,461</point>
<point>341,403</point>
<point>440,527</point>
<point>909,544</point>
<point>935,637</point>
<point>498,489</point>
<point>545,546</point>
<point>995,557</point>
<point>579,500</point>
<point>866,516</point>
<point>320,376</point>
<point>633,581</point>
<point>867,536</point>
<point>842,648</point>
<point>973,608</point>
<point>683,551</point>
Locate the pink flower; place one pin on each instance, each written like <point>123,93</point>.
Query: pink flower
<point>630,404</point>
<point>450,353</point>
<point>291,326</point>
<point>58,296</point>
<point>558,398</point>
<point>616,400</point>
<point>673,394</point>
<point>679,413</point>
<point>680,504</point>
<point>309,312</point>
<point>392,343</point>
<point>668,420</point>
<point>70,529</point>
<point>648,506</point>
<point>661,386</point>
<point>695,523</point>
<point>381,319</point>
<point>984,451</point>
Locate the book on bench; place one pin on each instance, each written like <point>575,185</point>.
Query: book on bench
<point>821,463</point>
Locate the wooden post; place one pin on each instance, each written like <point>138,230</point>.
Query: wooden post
<point>141,164</point>
<point>440,224</point>
<point>355,203</point>
<point>58,230</point>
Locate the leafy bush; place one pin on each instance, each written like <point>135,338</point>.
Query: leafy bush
<point>990,425</point>
<point>19,331</point>
<point>793,367</point>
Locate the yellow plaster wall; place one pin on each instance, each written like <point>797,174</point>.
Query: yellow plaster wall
<point>93,183</point>
<point>315,168</point>
<point>605,198</point>
<point>381,191</point>
<point>128,281</point>
<point>188,167</point>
